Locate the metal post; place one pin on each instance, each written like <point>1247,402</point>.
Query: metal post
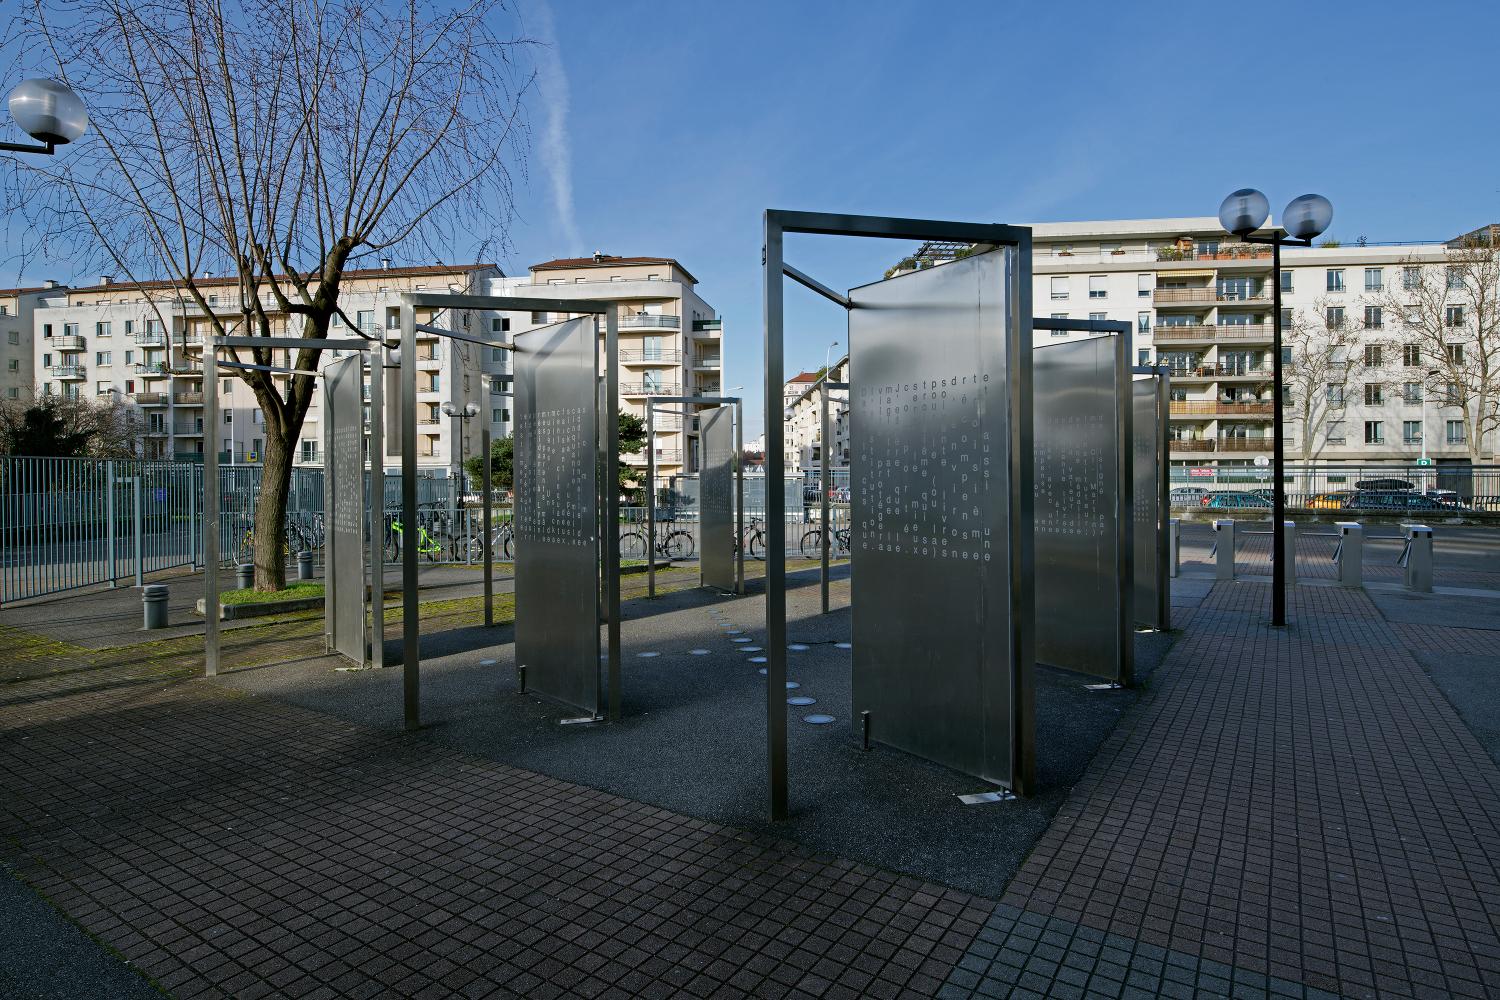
<point>331,555</point>
<point>1278,449</point>
<point>109,514</point>
<point>825,477</point>
<point>1289,551</point>
<point>1174,544</point>
<point>1125,508</point>
<point>1418,558</point>
<point>488,528</point>
<point>1224,549</point>
<point>775,461</point>
<point>211,491</point>
<point>739,497</point>
<point>139,491</point>
<point>192,533</point>
<point>411,640</point>
<point>612,500</point>
<point>1350,553</point>
<point>376,512</point>
<point>1164,501</point>
<point>651,499</point>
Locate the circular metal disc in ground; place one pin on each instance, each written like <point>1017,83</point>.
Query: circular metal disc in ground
<point>817,719</point>
<point>698,652</point>
<point>802,699</point>
<point>758,659</point>
<point>486,663</point>
<point>743,638</point>
<point>734,631</point>
<point>762,670</point>
<point>648,653</point>
<point>843,645</point>
<point>798,647</point>
<point>750,649</point>
<point>792,685</point>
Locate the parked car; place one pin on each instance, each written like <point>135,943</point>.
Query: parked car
<point>1385,485</point>
<point>1188,496</point>
<point>1237,501</point>
<point>1396,502</point>
<point>1448,498</point>
<point>1336,500</point>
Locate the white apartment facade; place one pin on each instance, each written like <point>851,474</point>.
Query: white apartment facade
<point>17,342</point>
<point>804,421</point>
<point>1200,301</point>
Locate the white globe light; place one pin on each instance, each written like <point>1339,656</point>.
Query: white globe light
<point>1307,216</point>
<point>1244,211</point>
<point>448,409</point>
<point>49,111</point>
<point>471,410</point>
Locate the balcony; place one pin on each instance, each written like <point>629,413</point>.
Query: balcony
<point>650,357</point>
<point>1190,445</point>
<point>649,389</point>
<point>664,456</point>
<point>191,430</point>
<point>1244,252</point>
<point>1209,445</point>
<point>149,398</point>
<point>70,372</point>
<point>1208,333</point>
<point>1245,444</point>
<point>650,321</point>
<point>153,369</point>
<point>151,338</point>
<point>156,432</point>
<point>1205,296</point>
<point>188,398</point>
<point>708,362</point>
<point>708,326</point>
<point>70,343</point>
<point>1210,408</point>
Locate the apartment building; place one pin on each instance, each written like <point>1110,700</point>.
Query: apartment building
<point>1200,302</point>
<point>17,343</point>
<point>804,421</point>
<point>671,340</point>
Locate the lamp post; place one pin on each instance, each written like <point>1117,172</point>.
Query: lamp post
<point>48,111</point>
<point>1305,218</point>
<point>461,414</point>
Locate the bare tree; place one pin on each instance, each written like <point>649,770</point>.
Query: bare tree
<point>1328,355</point>
<point>279,142</point>
<point>1449,312</point>
<point>102,427</point>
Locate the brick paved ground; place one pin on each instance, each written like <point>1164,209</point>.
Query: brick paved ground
<point>1294,813</point>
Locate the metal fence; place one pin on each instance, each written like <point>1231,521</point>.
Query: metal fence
<point>1327,487</point>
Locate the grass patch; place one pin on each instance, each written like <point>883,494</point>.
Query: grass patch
<point>295,592</point>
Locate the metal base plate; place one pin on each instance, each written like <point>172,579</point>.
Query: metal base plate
<point>1111,686</point>
<point>980,798</point>
<point>582,720</point>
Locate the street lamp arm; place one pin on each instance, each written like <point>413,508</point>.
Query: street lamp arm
<point>1283,241</point>
<point>46,148</point>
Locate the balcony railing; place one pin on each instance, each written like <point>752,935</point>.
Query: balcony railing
<point>664,456</point>
<point>636,321</point>
<point>1220,371</point>
<point>149,398</point>
<point>1215,251</point>
<point>713,362</point>
<point>1191,444</point>
<point>708,325</point>
<point>68,371</point>
<point>153,369</point>
<point>1210,408</point>
<point>150,338</point>
<point>649,389</point>
<point>1239,333</point>
<point>69,343</point>
<point>1206,296</point>
<point>1245,443</point>
<point>1221,444</point>
<point>188,398</point>
<point>181,367</point>
<point>191,430</point>
<point>650,357</point>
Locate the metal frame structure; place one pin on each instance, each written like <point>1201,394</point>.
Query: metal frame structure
<point>825,481</point>
<point>652,402</point>
<point>411,629</point>
<point>211,487</point>
<point>777,223</point>
<point>1164,502</point>
<point>1125,506</point>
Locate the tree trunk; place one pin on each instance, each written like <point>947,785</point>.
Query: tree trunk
<point>270,513</point>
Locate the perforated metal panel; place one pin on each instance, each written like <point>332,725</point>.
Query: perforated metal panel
<point>1149,517</point>
<point>1079,585</point>
<point>933,641</point>
<point>716,497</point>
<point>344,550</point>
<point>556,512</point>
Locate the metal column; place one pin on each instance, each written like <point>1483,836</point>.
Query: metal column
<point>612,500</point>
<point>376,511</point>
<point>1288,554</point>
<point>650,498</point>
<point>210,511</point>
<point>739,497</point>
<point>825,483</point>
<point>411,639</point>
<point>775,465</point>
<point>488,530</point>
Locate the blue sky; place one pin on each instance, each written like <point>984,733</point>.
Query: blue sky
<point>679,123</point>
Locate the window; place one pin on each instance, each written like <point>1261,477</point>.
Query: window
<point>1455,278</point>
<point>1374,279</point>
<point>1411,315</point>
<point>1059,288</point>
<point>1411,278</point>
<point>228,384</point>
<point>1286,281</point>
<point>539,317</point>
<point>365,320</point>
<point>13,364</point>
<point>1143,284</point>
<point>13,393</point>
<point>1374,432</point>
<point>1374,318</point>
<point>1411,355</point>
<point>1143,356</point>
<point>13,337</point>
<point>1335,394</point>
<point>1143,322</point>
<point>1334,317</point>
<point>500,324</point>
<point>495,416</point>
<point>130,385</point>
<point>46,360</point>
<point>1411,432</point>
<point>1286,356</point>
<point>102,357</point>
<point>1373,355</point>
<point>309,451</point>
<point>1411,393</point>
<point>1453,316</point>
<point>47,330</point>
<point>229,416</point>
<point>1098,317</point>
<point>129,357</point>
<point>129,327</point>
<point>1451,396</point>
<point>1335,432</point>
<point>1097,288</point>
<point>101,329</point>
<point>1335,279</point>
<point>1374,395</point>
<point>1059,315</point>
<point>70,329</point>
<point>213,300</point>
<point>1453,431</point>
<point>1455,353</point>
<point>1286,318</point>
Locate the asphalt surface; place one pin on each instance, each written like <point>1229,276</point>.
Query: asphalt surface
<point>44,956</point>
<point>692,733</point>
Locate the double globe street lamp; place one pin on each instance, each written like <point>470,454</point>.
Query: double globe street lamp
<point>1305,219</point>
<point>47,111</point>
<point>462,414</point>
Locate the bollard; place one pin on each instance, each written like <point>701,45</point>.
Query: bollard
<point>1350,555</point>
<point>154,605</point>
<point>1289,550</point>
<point>304,565</point>
<point>1418,558</point>
<point>244,576</point>
<point>1224,549</point>
<point>1174,546</point>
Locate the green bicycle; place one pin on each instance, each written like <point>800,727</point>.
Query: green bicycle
<point>427,545</point>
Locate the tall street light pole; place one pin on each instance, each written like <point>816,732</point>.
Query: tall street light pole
<point>462,414</point>
<point>48,111</point>
<point>1304,219</point>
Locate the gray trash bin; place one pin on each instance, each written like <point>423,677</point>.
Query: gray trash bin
<point>154,605</point>
<point>244,576</point>
<point>304,565</point>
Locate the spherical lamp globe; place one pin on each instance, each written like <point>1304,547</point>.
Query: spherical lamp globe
<point>1244,211</point>
<point>48,111</point>
<point>1307,217</point>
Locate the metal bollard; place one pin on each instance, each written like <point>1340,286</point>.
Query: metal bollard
<point>1350,555</point>
<point>1174,546</point>
<point>304,565</point>
<point>1418,558</point>
<point>1289,550</point>
<point>244,576</point>
<point>1224,549</point>
<point>154,605</point>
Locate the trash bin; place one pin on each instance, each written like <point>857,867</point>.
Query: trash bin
<point>154,605</point>
<point>304,565</point>
<point>244,576</point>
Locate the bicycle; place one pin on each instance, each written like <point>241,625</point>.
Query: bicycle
<point>246,551</point>
<point>812,543</point>
<point>427,545</point>
<point>502,542</point>
<point>675,544</point>
<point>754,539</point>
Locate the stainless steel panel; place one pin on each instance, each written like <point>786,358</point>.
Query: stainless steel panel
<point>1078,579</point>
<point>343,414</point>
<point>933,645</point>
<point>1149,516</point>
<point>556,512</point>
<point>716,497</point>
